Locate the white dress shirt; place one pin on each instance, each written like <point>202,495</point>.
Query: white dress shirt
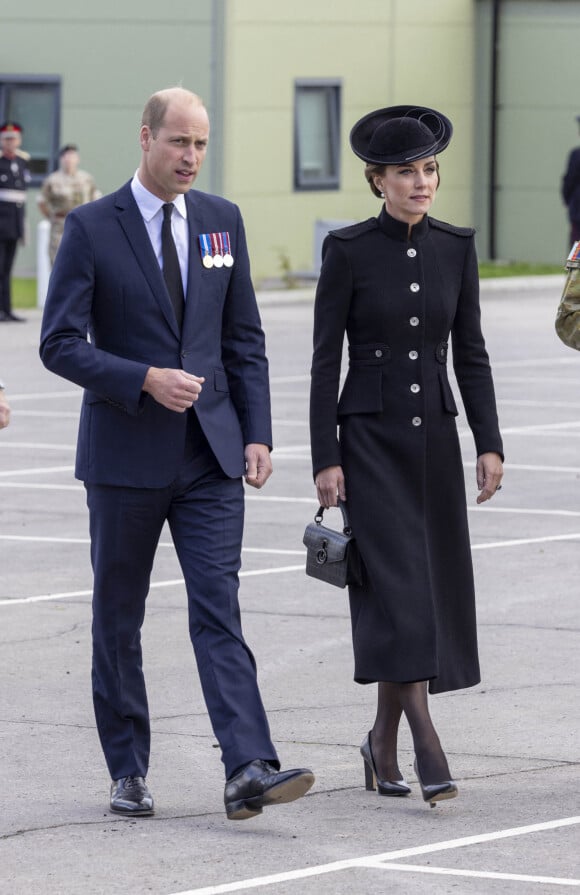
<point>150,207</point>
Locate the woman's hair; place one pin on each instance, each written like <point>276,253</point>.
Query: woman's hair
<point>372,171</point>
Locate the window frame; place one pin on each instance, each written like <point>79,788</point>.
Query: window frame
<point>54,83</point>
<point>333,88</point>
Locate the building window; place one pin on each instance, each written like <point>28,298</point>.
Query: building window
<point>34,102</point>
<point>316,135</point>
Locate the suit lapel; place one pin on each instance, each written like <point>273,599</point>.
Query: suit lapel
<point>136,232</point>
<point>195,227</point>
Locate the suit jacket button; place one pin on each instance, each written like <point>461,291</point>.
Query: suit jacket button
<point>414,287</point>
<point>411,252</point>
<point>415,388</point>
<point>414,321</point>
<point>416,420</point>
<point>378,353</point>
<point>413,355</point>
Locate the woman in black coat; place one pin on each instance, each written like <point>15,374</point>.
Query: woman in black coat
<point>398,285</point>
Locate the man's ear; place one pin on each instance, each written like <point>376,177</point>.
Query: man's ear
<point>145,137</point>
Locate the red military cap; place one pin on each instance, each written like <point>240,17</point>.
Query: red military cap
<point>10,127</point>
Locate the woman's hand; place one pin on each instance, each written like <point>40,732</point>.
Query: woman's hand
<point>489,473</point>
<point>330,486</point>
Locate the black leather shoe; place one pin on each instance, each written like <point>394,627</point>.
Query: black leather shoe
<point>372,780</point>
<point>130,796</point>
<point>9,317</point>
<point>436,792</point>
<point>259,784</point>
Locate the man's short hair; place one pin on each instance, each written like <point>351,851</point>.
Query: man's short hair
<point>156,106</point>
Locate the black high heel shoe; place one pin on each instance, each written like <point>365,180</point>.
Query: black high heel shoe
<point>372,781</point>
<point>436,792</point>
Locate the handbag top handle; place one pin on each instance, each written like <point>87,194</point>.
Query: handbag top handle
<point>320,514</point>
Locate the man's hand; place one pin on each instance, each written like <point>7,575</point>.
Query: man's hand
<point>4,411</point>
<point>175,389</point>
<point>258,464</point>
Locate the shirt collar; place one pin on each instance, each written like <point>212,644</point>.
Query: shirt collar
<point>149,204</point>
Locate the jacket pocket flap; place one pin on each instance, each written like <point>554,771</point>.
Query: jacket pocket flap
<point>375,354</point>
<point>221,381</point>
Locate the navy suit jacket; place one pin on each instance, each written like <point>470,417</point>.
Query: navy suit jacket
<point>108,318</point>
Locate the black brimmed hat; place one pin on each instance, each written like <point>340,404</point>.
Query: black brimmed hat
<point>400,134</point>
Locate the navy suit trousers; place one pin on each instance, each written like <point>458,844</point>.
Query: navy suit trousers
<point>205,513</point>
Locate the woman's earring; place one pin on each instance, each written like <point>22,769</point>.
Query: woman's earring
<point>382,195</point>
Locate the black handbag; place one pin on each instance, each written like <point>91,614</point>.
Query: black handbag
<point>331,555</point>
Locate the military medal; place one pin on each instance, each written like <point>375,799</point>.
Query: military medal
<point>228,257</point>
<point>205,246</point>
<point>218,261</point>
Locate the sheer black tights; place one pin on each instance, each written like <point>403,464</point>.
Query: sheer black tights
<point>410,699</point>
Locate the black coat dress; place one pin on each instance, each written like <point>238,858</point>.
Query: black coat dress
<point>397,300</point>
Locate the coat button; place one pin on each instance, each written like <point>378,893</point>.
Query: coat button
<point>415,388</point>
<point>416,420</point>
<point>411,252</point>
<point>378,353</point>
<point>413,355</point>
<point>414,321</point>
<point>415,287</point>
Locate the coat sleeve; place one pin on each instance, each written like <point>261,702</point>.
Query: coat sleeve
<point>64,345</point>
<point>331,310</point>
<point>471,361</point>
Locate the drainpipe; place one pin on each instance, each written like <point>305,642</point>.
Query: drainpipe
<point>493,129</point>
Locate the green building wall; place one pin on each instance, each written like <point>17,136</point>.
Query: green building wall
<point>243,57</point>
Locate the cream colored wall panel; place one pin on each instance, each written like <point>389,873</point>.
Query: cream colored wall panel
<point>433,64</point>
<point>258,153</point>
<point>433,11</point>
<point>258,12</point>
<point>267,60</point>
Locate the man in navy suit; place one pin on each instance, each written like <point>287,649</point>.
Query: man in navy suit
<point>151,309</point>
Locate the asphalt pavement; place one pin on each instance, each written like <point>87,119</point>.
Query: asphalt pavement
<point>512,741</point>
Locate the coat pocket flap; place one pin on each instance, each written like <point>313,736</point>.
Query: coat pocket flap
<point>376,354</point>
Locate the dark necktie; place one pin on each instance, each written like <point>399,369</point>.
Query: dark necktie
<point>171,269</point>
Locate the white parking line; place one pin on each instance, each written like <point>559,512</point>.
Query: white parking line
<point>174,582</point>
<point>372,860</point>
<point>35,470</point>
<point>477,874</point>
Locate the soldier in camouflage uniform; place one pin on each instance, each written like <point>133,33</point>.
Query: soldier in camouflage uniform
<point>568,316</point>
<point>14,179</point>
<point>64,190</point>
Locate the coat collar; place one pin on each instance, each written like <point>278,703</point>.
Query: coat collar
<point>399,229</point>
